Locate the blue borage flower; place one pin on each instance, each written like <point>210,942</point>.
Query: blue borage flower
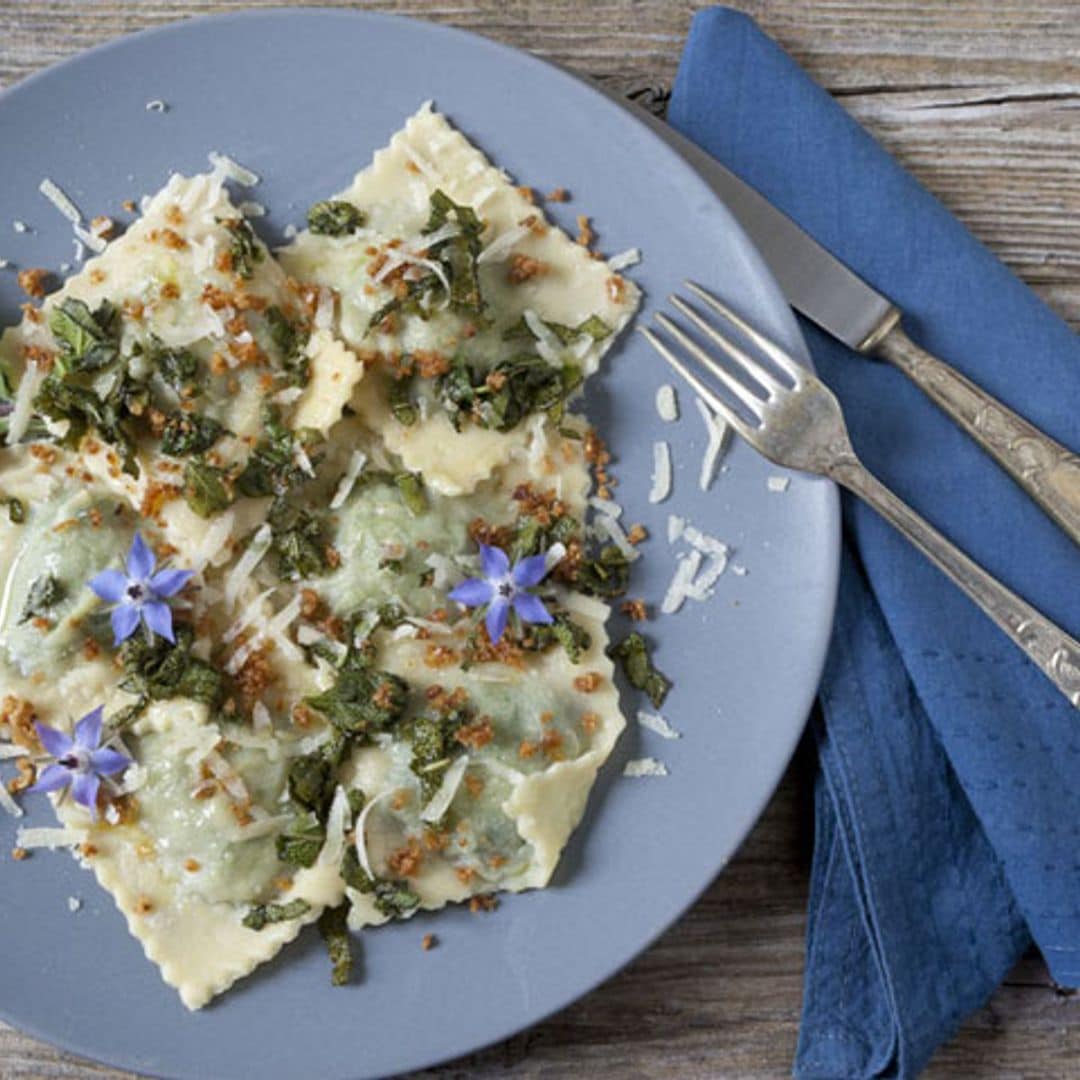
<point>140,594</point>
<point>81,761</point>
<point>503,588</point>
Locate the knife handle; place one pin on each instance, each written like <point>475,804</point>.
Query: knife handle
<point>1045,469</point>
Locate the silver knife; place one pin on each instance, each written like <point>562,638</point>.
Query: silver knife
<point>822,288</point>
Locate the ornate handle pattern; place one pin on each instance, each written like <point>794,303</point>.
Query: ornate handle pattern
<point>1057,654</point>
<point>1045,469</point>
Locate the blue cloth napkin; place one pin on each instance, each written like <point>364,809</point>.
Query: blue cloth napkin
<point>948,802</point>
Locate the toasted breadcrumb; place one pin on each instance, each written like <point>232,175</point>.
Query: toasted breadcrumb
<point>33,281</point>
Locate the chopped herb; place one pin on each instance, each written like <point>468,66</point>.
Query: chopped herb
<point>391,897</point>
<point>311,782</point>
<point>563,631</point>
<point>458,254</point>
<point>353,874</point>
<point>44,594</point>
<point>363,700</point>
<point>411,487</point>
<point>500,398</point>
<point>178,367</point>
<point>356,802</point>
<point>394,898</point>
<point>83,409</point>
<point>88,340</point>
<point>297,540</point>
<point>608,574</point>
<point>434,747</point>
<point>189,433</point>
<point>301,841</point>
<point>334,928</point>
<point>401,405</point>
<point>531,537</point>
<point>289,339</point>
<point>159,670</point>
<point>245,248</point>
<point>593,326</point>
<point>632,653</point>
<point>16,511</point>
<point>272,468</point>
<point>335,217</point>
<point>456,257</point>
<point>264,914</point>
<point>206,488</point>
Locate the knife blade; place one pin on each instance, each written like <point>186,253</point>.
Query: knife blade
<point>813,280</point>
<point>819,286</point>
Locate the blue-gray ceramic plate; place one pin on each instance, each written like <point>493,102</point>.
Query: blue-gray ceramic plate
<point>303,98</point>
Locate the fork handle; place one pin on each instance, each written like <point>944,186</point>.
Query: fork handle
<point>1045,469</point>
<point>1054,651</point>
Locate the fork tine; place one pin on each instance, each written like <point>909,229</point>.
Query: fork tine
<point>747,397</point>
<point>769,347</point>
<point>759,372</point>
<point>711,399</point>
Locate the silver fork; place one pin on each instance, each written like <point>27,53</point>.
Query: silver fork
<point>801,426</point>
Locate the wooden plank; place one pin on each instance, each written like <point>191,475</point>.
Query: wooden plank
<point>980,99</point>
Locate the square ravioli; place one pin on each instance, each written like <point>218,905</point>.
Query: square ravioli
<point>303,541</point>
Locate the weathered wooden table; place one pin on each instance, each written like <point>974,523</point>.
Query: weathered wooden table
<point>981,99</point>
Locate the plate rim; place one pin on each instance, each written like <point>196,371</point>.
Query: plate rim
<point>763,279</point>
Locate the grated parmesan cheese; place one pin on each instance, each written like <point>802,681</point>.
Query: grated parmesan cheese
<point>422,164</point>
<point>441,800</point>
<point>606,506</point>
<point>252,612</point>
<point>718,431</point>
<point>547,344</point>
<point>245,565</point>
<point>288,395</point>
<point>655,722</point>
<point>609,525</point>
<point>553,556</point>
<point>344,489</point>
<point>667,403</point>
<point>252,209</point>
<point>157,105</point>
<point>7,752</point>
<point>324,313</point>
<point>500,247</point>
<point>23,409</point>
<point>232,170</point>
<point>778,483</point>
<point>629,257</point>
<point>91,240</point>
<point>685,571</point>
<point>31,838</point>
<point>8,803</point>
<point>646,766</point>
<point>361,831</point>
<point>61,201</point>
<point>675,526</point>
<point>4,264</point>
<point>336,821</point>
<point>213,541</point>
<point>260,717</point>
<point>661,474</point>
<point>20,226</point>
<point>73,904</point>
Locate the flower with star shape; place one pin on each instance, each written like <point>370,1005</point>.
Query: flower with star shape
<point>504,589</point>
<point>139,594</point>
<point>80,760</point>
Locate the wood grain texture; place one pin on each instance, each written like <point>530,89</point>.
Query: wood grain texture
<point>981,100</point>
